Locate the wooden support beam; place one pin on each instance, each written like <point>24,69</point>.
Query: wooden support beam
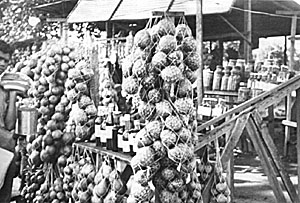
<point>284,12</point>
<point>235,29</point>
<point>199,39</point>
<point>236,133</point>
<point>215,133</point>
<point>274,155</point>
<point>55,20</point>
<point>292,49</point>
<point>167,13</point>
<point>298,137</point>
<point>265,160</point>
<point>248,30</point>
<point>170,5</point>
<point>271,119</point>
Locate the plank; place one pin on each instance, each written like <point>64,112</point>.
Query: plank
<point>271,119</point>
<point>234,138</point>
<point>266,163</point>
<point>169,14</point>
<point>221,93</point>
<point>262,101</point>
<point>298,137</point>
<point>274,155</point>
<point>91,146</point>
<point>284,12</point>
<point>215,133</point>
<point>289,124</point>
<point>287,128</point>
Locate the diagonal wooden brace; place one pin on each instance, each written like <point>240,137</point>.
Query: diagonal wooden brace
<point>234,138</point>
<point>268,141</point>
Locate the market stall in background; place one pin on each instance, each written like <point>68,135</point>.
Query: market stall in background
<point>112,109</point>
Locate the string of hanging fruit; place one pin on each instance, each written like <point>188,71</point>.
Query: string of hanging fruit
<point>160,72</point>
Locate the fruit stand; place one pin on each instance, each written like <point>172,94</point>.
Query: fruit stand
<point>142,140</point>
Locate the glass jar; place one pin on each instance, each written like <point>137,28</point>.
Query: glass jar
<point>217,78</point>
<point>207,78</point>
<point>224,82</point>
<point>234,79</point>
<point>241,64</point>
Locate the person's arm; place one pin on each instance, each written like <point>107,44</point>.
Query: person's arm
<point>11,116</point>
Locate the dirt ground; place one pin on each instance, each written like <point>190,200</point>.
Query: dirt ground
<point>250,182</point>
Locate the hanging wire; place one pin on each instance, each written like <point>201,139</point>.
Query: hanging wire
<point>262,13</point>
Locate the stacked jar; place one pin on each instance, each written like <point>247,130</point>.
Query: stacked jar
<point>218,74</point>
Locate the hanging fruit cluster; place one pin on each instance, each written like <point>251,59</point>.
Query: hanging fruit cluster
<point>108,184</point>
<point>160,73</point>
<point>107,93</point>
<point>77,86</point>
<point>205,170</point>
<point>220,190</point>
<point>53,106</point>
<point>43,185</point>
<point>83,172</point>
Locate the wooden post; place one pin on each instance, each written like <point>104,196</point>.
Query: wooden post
<point>288,108</point>
<point>285,50</point>
<point>248,31</point>
<point>293,34</point>
<point>298,138</point>
<point>199,38</point>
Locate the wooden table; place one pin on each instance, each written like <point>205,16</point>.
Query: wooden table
<point>246,116</point>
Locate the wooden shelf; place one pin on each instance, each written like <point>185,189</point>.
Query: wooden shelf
<point>100,150</point>
<point>221,93</point>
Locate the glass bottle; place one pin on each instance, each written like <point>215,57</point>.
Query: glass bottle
<point>126,146</point>
<point>109,126</point>
<point>120,134</point>
<point>114,142</point>
<point>97,131</point>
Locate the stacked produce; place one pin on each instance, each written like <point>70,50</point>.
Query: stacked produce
<point>160,73</point>
<point>109,187</point>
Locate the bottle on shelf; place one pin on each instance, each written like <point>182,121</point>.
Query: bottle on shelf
<point>114,142</point>
<point>120,134</point>
<point>97,131</point>
<point>126,146</point>
<point>109,126</point>
<point>131,140</point>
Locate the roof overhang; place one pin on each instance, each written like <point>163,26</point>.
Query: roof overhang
<point>93,11</point>
<point>59,9</point>
<point>137,10</point>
